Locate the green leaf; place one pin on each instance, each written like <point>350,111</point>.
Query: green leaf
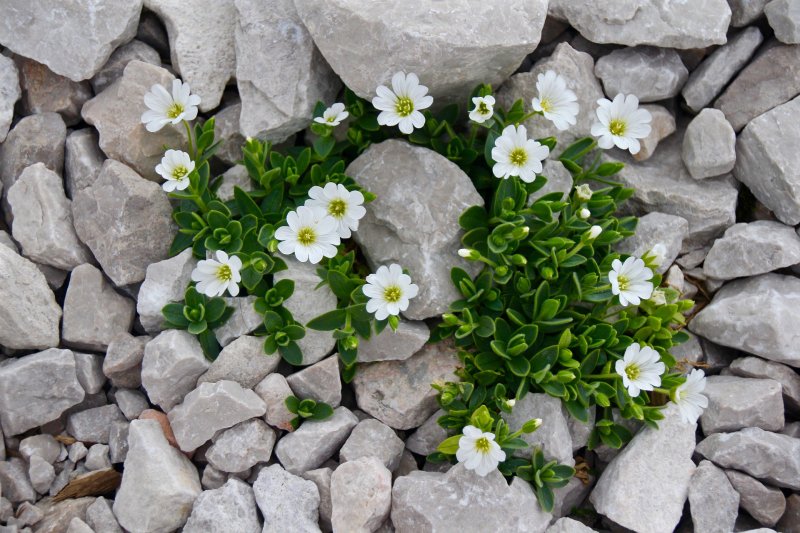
<point>340,285</point>
<point>328,321</point>
<point>578,411</point>
<point>292,353</point>
<point>515,444</point>
<point>474,217</point>
<point>324,145</point>
<point>449,446</point>
<point>196,328</point>
<point>272,321</point>
<point>519,366</point>
<point>546,497</point>
<point>322,411</point>
<point>577,150</point>
<point>174,313</point>
<point>208,341</point>
<point>246,204</point>
<point>284,288</point>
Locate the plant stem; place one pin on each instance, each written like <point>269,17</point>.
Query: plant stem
<point>473,135</point>
<point>662,391</point>
<point>529,115</point>
<point>191,146</point>
<point>603,376</point>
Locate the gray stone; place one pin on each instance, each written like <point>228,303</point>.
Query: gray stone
<point>226,128</point>
<point>553,436</point>
<point>399,393</point>
<point>577,68</point>
<point>8,242</point>
<point>6,509</point>
<point>9,94</point>
<point>36,389</point>
<point>159,483</point>
<point>55,277</point>
<point>94,313</point>
<point>579,431</point>
<point>165,282</point>
<point>14,482</point>
<point>57,516</point>
<point>754,367</point>
<point>568,525</point>
<point>428,502</point>
<point>428,436</point>
<point>118,441</point>
<point>274,390</point>
<point>571,496</point>
<point>287,502</point>
<point>756,315</point>
<point>713,501</point>
<point>784,17</point>
<point>408,464</point>
<point>210,408</point>
<point>151,31</point>
<point>63,478</point>
<point>361,495</point>
<point>83,160</point>
<point>322,479</point>
<point>75,42</point>
<point>41,474</point>
<point>172,363</point>
<point>243,321</point>
<point>89,368</point>
<point>315,441</point>
<point>662,125</point>
<point>414,221</point>
<point>77,451</point>
<point>231,507</point>
<point>235,177</point>
<point>558,180</point>
<point>371,438</point>
<point>696,25</point>
<point>735,403</point>
<point>319,382</point>
<point>100,517</point>
<point>117,114</point>
<point>244,362</point>
<point>242,446</point>
<point>28,514</point>
<point>791,518</point>
<point>97,458</point>
<point>644,487</point>
<point>45,446</point>
<point>765,504</point>
<point>112,70</point>
<point>751,249</point>
<point>125,220</point>
<point>770,80</point>
<point>792,429</point>
<point>307,303</point>
<point>280,79</point>
<point>94,424</point>
<point>650,73</point>
<point>76,525</point>
<point>123,361</point>
<point>746,11</point>
<point>213,478</point>
<point>691,350</point>
<point>201,44</point>
<point>131,403</point>
<point>398,345</point>
<point>44,91</point>
<point>714,73</point>
<point>709,146</point>
<point>656,228</point>
<point>769,457</point>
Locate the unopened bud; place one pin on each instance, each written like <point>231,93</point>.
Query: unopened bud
<point>502,270</point>
<point>521,233</point>
<point>351,343</point>
<point>511,403</point>
<point>591,234</point>
<point>548,273</point>
<point>450,319</point>
<point>583,192</point>
<point>519,260</point>
<point>658,298</point>
<point>657,255</point>
<point>272,245</point>
<point>584,214</point>
<point>602,399</point>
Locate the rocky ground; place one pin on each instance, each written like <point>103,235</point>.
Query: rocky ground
<point>96,399</point>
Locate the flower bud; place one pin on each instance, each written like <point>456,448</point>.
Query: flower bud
<point>658,297</point>
<point>519,260</point>
<point>583,193</point>
<point>657,255</point>
<point>602,399</point>
<point>511,403</point>
<point>502,270</point>
<point>548,273</point>
<point>351,343</point>
<point>591,234</point>
<point>521,233</point>
<point>450,319</point>
<point>272,245</point>
<point>466,254</point>
<point>565,376</point>
<point>447,398</point>
<point>584,213</point>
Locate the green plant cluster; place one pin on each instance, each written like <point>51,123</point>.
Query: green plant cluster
<point>307,408</point>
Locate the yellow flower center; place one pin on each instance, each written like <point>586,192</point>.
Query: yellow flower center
<point>624,283</point>
<point>404,106</point>
<point>617,127</point>
<point>224,273</point>
<point>483,445</point>
<point>547,107</point>
<point>482,109</point>
<point>331,119</point>
<point>392,294</point>
<point>306,236</point>
<point>633,372</point>
<point>179,172</point>
<point>518,157</point>
<point>175,110</point>
<point>337,208</point>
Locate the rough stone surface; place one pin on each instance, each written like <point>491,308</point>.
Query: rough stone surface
<point>235,177</point>
<point>322,479</point>
<point>414,221</point>
<point>398,345</point>
<point>133,51</point>
<point>315,441</point>
<point>460,500</point>
<point>714,73</point>
<point>90,372</point>
<point>361,495</point>
<point>765,504</point>
<point>769,457</point>
<point>151,31</point>
<point>44,91</point>
<point>172,363</point>
<point>97,458</point>
<point>751,249</point>
<point>274,390</point>
<point>131,402</point>
<point>9,94</point>
<point>45,446</point>
<point>159,483</point>
<point>58,516</point>
<point>784,17</point>
<point>644,487</point>
<point>242,446</point>
<point>319,382</point>
<point>242,361</point>
<point>280,79</point>
<point>428,436</point>
<point>371,438</point>
<point>123,361</point>
<point>756,315</point>
<point>94,313</point>
<point>553,435</point>
<point>399,393</point>
<point>165,282</point>
<point>662,125</point>
<point>41,474</point>
<point>117,115</point>
<point>656,228</point>
<point>100,517</point>
<point>746,11</point>
<point>244,320</point>
<point>37,388</point>
<point>29,314</point>
<point>573,495</point>
<point>713,501</point>
<point>709,146</point>
<point>568,525</point>
<point>650,73</point>
<point>735,403</point>
<point>14,481</point>
<point>226,127</point>
<point>83,160</point>
<point>76,525</point>
<point>790,520</point>
<point>754,367</point>
<point>231,507</point>
<point>287,502</point>
<point>93,425</point>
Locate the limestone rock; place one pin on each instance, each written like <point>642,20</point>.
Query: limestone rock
<point>274,390</point>
<point>319,382</point>
<point>123,361</point>
<point>713,501</point>
<point>650,73</point>
<point>133,51</point>
<point>765,504</point>
<point>231,507</point>
<point>83,160</point>
<point>714,73</point>
<point>58,516</point>
<point>226,127</point>
<point>201,44</point>
<point>172,363</point>
<point>579,431</point>
<point>244,320</point>
<point>553,435</point>
<point>14,481</point>
<point>428,436</point>
<point>234,177</point>
<point>131,402</point>
<point>76,525</point>
<point>558,179</point>
<point>165,282</point>
<point>398,345</point>
<point>644,487</point>
<point>784,17</point>
<point>244,362</point>
<point>322,479</point>
<point>117,114</point>
<point>315,441</point>
<point>44,91</point>
<point>29,314</point>
<point>769,457</point>
<point>568,525</point>
<point>306,304</point>
<point>756,315</point>
<point>242,446</point>
<point>159,483</point>
<point>662,125</point>
<point>656,228</point>
<point>746,11</point>
<point>371,438</point>
<point>414,221</point>
<point>573,495</point>
<point>41,474</point>
<point>151,31</point>
<point>94,313</point>
<point>754,367</point>
<point>36,389</point>
<point>399,393</point>
<point>45,446</point>
<point>97,458</point>
<point>100,517</point>
<point>9,94</point>
<point>361,495</point>
<point>709,146</point>
<point>735,403</point>
<point>288,502</point>
<point>751,249</point>
<point>280,79</point>
<point>93,425</point>
<point>788,523</point>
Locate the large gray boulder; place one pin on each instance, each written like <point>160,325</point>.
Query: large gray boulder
<point>9,94</point>
<point>231,507</point>
<point>735,403</point>
<point>751,249</point>
<point>648,72</point>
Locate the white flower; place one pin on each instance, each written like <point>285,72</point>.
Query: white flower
<point>484,108</point>
<point>340,204</point>
<point>389,291</point>
<point>465,253</point>
<point>594,232</point>
<point>478,451</point>
<point>402,106</point>
<point>175,167</point>
<point>333,116</point>
<point>583,192</point>
<point>557,103</point>
<point>584,213</point>
<point>629,280</point>
<point>640,368</point>
<point>516,155</point>
<point>688,398</point>
<point>511,403</point>
<point>215,277</point>
<point>310,235</point>
<point>657,254</point>
<point>658,298</point>
<point>621,123</point>
<point>169,109</point>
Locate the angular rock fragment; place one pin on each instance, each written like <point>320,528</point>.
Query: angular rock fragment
<point>9,94</point>
<point>735,403</point>
<point>231,507</point>
<point>662,125</point>
<point>151,31</point>
<point>274,390</point>
<point>97,458</point>
<point>90,372</point>
<point>41,474</point>
<point>709,146</point>
<point>244,362</point>
<point>428,436</point>
<point>315,441</point>
<point>788,523</point>
<point>83,160</point>
<point>398,345</point>
<point>165,282</point>
<point>244,320</point>
<point>100,517</point>
<point>656,228</point>
<point>76,525</point>
<point>94,424</point>
<point>754,367</point>
<point>371,438</point>
<point>319,382</point>
<point>44,91</point>
<point>322,479</point>
<point>57,516</point>
<point>242,446</point>
<point>765,504</point>
<point>713,502</point>
<point>751,249</point>
<point>226,127</point>
<point>361,495</point>
<point>568,525</point>
<point>553,435</point>
<point>784,18</point>
<point>14,481</point>
<point>133,51</point>
<point>172,363</point>
<point>131,402</point>
<point>123,361</point>
<point>745,12</point>
<point>650,73</point>
<point>45,446</point>
<point>287,502</point>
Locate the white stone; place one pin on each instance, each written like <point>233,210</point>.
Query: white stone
<point>751,249</point>
<point>398,345</point>
<point>131,402</point>
<point>428,436</point>
<point>133,51</point>
<point>97,458</point>
<point>709,146</point>
<point>83,160</point>
<point>553,436</point>
<point>243,321</point>
<point>231,507</point>
<point>319,382</point>
<point>274,390</point>
<point>165,282</point>
<point>649,73</point>
<point>662,125</point>
<point>242,446</point>
<point>371,438</point>
<point>288,502</point>
<point>784,17</point>
<point>656,228</point>
<point>123,361</point>
<point>172,363</point>
<point>242,361</point>
<point>361,495</point>
<point>315,441</point>
<point>41,474</point>
<point>93,425</point>
<point>100,517</point>
<point>9,94</point>
<point>754,367</point>
<point>45,446</point>
<point>322,479</point>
